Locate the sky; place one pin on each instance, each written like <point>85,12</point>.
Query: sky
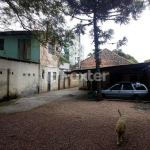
<point>137,33</point>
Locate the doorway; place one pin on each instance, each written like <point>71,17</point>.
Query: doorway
<point>49,81</point>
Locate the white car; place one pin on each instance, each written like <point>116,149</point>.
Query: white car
<point>126,90</point>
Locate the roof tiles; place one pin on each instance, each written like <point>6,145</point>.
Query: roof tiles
<point>108,58</point>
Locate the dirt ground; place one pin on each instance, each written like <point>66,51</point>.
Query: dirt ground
<point>75,124</point>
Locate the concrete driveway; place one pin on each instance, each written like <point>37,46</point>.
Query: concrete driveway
<point>29,102</point>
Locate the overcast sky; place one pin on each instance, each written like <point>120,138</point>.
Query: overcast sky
<point>137,33</point>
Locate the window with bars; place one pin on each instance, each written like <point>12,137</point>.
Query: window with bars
<point>1,44</point>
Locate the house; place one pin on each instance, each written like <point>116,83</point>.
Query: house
<point>108,58</point>
<point>115,68</point>
<point>26,66</point>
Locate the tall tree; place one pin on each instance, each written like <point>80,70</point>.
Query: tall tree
<point>46,16</point>
<point>120,11</point>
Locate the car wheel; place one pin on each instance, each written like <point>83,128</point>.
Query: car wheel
<point>137,97</point>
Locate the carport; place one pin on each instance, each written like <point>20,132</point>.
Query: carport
<point>132,72</point>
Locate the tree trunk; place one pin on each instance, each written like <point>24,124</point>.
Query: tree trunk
<point>97,58</point>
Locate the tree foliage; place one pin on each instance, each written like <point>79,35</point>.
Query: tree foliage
<point>42,17</point>
<point>120,11</point>
<point>126,56</point>
<point>148,60</point>
<point>90,54</point>
<point>63,60</point>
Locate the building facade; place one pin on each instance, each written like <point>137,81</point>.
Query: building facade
<point>25,65</point>
<point>75,52</point>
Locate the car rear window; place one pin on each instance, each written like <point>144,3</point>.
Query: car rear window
<point>140,87</point>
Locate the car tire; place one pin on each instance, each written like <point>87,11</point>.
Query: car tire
<point>137,97</point>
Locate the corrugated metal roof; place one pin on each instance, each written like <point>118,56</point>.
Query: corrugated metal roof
<point>107,68</point>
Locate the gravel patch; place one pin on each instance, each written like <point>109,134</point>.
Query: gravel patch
<point>141,106</point>
<point>75,125</point>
